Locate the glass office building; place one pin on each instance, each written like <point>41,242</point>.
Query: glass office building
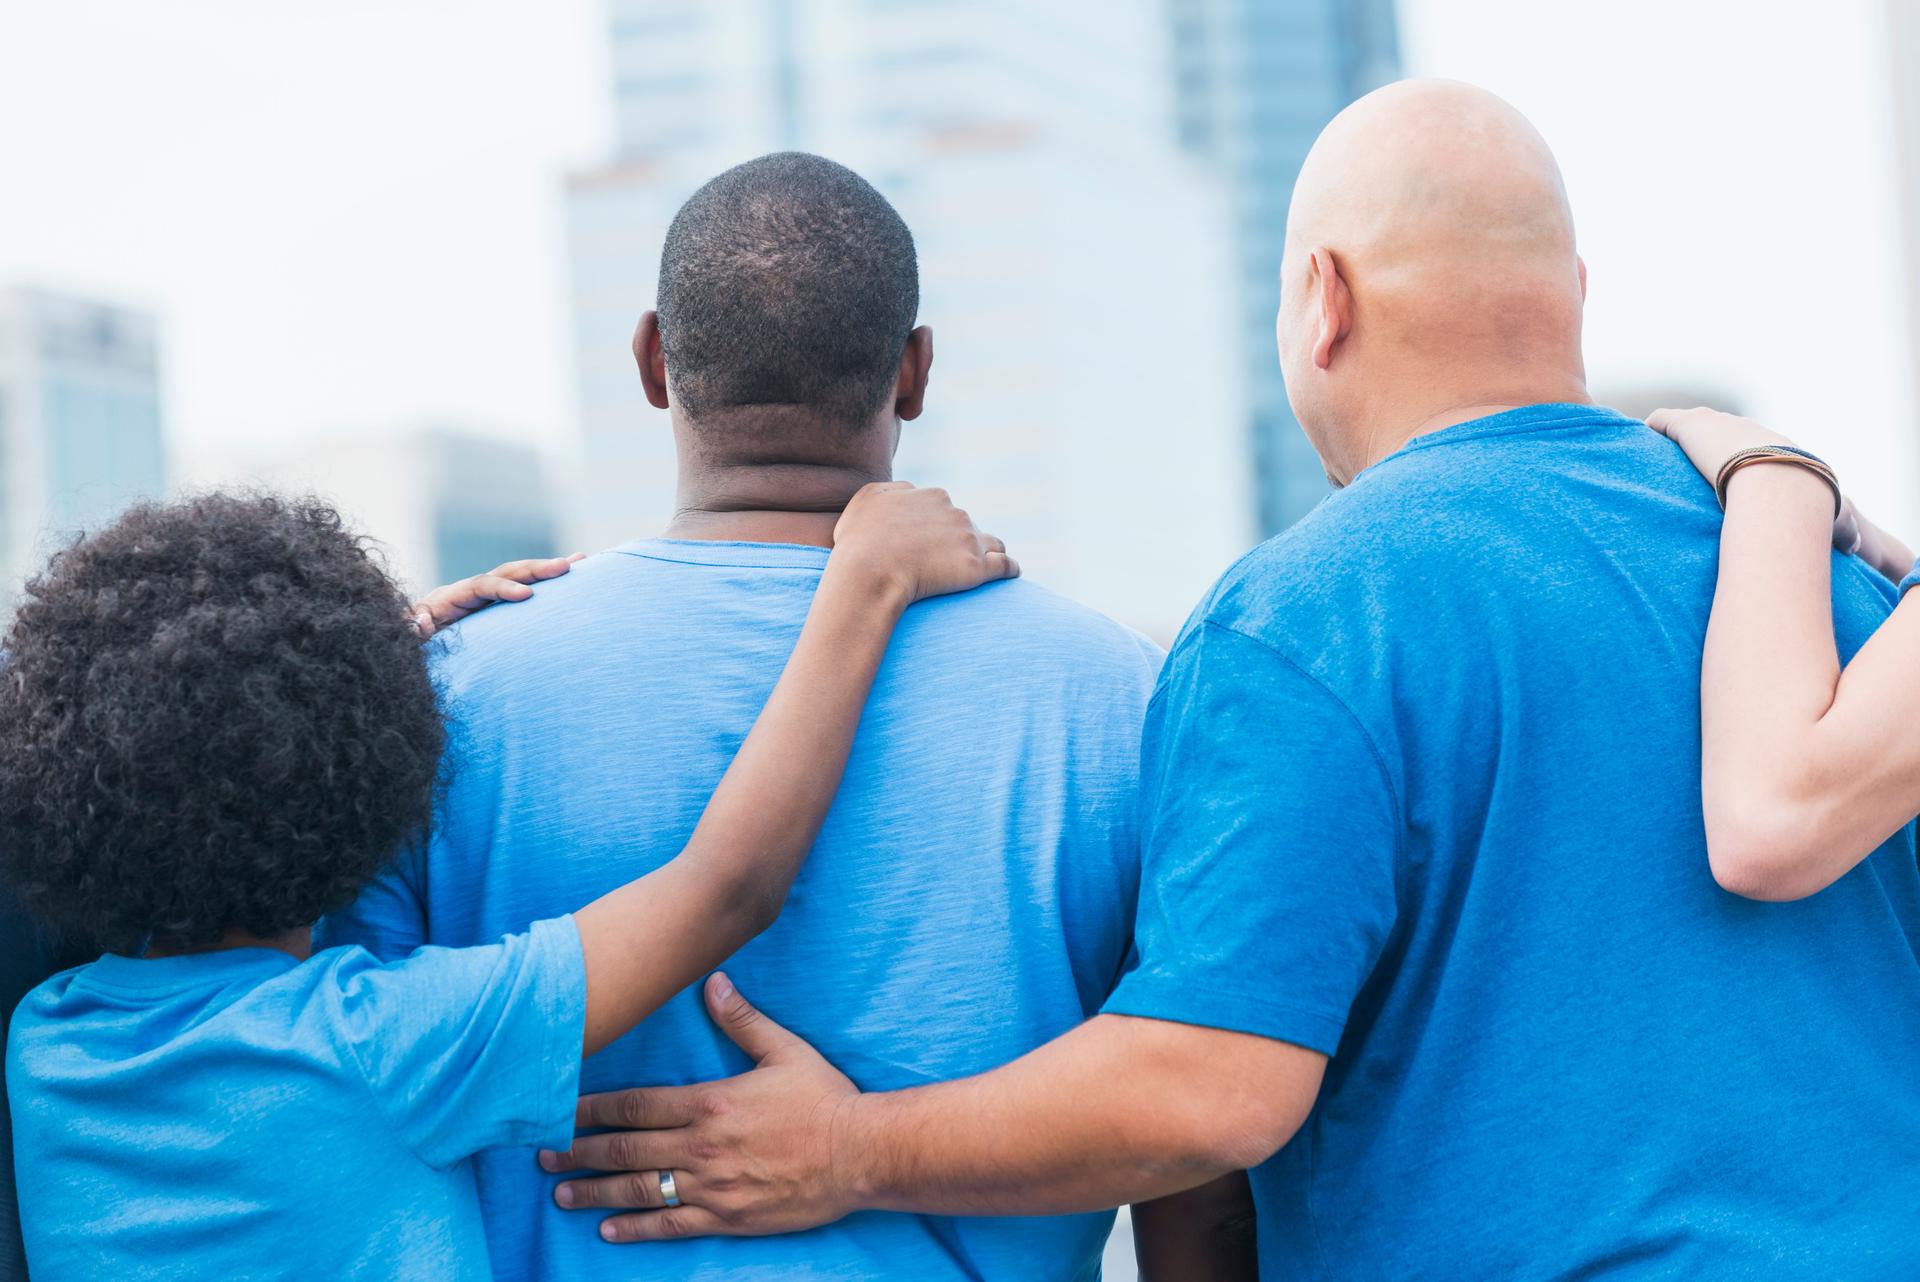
<point>1255,81</point>
<point>1087,398</point>
<point>80,434</point>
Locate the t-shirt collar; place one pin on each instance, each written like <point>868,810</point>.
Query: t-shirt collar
<point>185,971</point>
<point>757,556</point>
<point>1548,416</point>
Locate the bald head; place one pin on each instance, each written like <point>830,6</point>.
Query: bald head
<point>1430,253</point>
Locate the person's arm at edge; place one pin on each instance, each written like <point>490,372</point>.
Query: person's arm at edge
<point>1805,769</point>
<point>1205,1234</point>
<point>1880,549</point>
<point>652,937</point>
<point>1121,1109</point>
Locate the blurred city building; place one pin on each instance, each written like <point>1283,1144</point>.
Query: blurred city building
<point>1088,394</point>
<point>1255,82</point>
<point>444,503</point>
<point>79,422</point>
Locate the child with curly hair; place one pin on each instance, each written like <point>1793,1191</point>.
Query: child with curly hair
<point>217,723</point>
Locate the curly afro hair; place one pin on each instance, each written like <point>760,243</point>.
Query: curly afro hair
<point>214,714</point>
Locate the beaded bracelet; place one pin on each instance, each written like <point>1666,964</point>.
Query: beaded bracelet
<point>1777,454</point>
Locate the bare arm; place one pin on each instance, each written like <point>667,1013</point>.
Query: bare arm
<point>1805,769</point>
<point>1118,1110</point>
<point>651,938</point>
<point>1203,1235</point>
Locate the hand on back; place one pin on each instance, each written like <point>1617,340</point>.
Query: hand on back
<point>448,605</point>
<point>917,541</point>
<point>1710,437</point>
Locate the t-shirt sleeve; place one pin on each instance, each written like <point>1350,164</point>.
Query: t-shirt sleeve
<point>1270,838</point>
<point>388,919</point>
<point>1913,577</point>
<point>468,1049</point>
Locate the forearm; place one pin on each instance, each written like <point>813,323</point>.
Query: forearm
<point>1800,776</point>
<point>1119,1110</point>
<point>1203,1235</point>
<point>653,937</point>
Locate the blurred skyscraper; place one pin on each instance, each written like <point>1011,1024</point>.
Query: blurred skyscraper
<point>1256,81</point>
<point>79,422</point>
<point>444,503</point>
<point>1087,396</point>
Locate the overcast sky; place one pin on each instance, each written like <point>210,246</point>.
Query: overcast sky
<point>348,215</point>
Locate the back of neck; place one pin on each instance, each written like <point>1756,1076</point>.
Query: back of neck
<point>765,503</point>
<point>1400,424</point>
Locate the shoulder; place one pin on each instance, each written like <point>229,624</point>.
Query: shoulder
<point>47,1004</point>
<point>1037,623</point>
<point>1353,581</point>
<point>1327,562</point>
<point>594,589</point>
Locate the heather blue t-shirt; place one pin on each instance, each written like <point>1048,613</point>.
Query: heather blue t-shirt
<point>1422,780</point>
<point>240,1114</point>
<point>970,897</point>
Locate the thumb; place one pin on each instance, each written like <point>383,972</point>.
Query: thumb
<point>751,1031</point>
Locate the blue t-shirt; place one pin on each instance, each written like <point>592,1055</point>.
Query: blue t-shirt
<point>240,1114</point>
<point>970,897</point>
<point>1422,786</point>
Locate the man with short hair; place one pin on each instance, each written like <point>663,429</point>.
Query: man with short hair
<point>1427,929</point>
<point>971,893</point>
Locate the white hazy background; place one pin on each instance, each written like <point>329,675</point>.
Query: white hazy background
<point>348,216</point>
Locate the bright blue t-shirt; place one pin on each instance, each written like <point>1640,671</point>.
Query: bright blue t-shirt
<point>1422,787</point>
<point>971,894</point>
<point>240,1114</point>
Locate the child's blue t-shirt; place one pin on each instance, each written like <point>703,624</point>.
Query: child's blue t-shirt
<point>242,1114</point>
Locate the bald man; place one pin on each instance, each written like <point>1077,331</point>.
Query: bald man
<point>1427,933</point>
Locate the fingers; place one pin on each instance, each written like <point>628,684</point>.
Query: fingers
<point>1848,533</point>
<point>664,1226</point>
<point>999,564</point>
<point>631,1190</point>
<point>649,1108</point>
<point>508,582</point>
<point>457,600</point>
<point>751,1031</point>
<point>1662,420</point>
<point>635,1151</point>
<point>535,569</point>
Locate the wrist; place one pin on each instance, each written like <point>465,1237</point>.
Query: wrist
<point>877,582</point>
<point>1784,482</point>
<point>857,1156</point>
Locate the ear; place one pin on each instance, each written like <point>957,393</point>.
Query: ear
<point>1581,263</point>
<point>1334,303</point>
<point>652,361</point>
<point>910,389</point>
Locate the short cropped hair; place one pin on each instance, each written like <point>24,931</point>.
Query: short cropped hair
<point>214,714</point>
<point>787,281</point>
